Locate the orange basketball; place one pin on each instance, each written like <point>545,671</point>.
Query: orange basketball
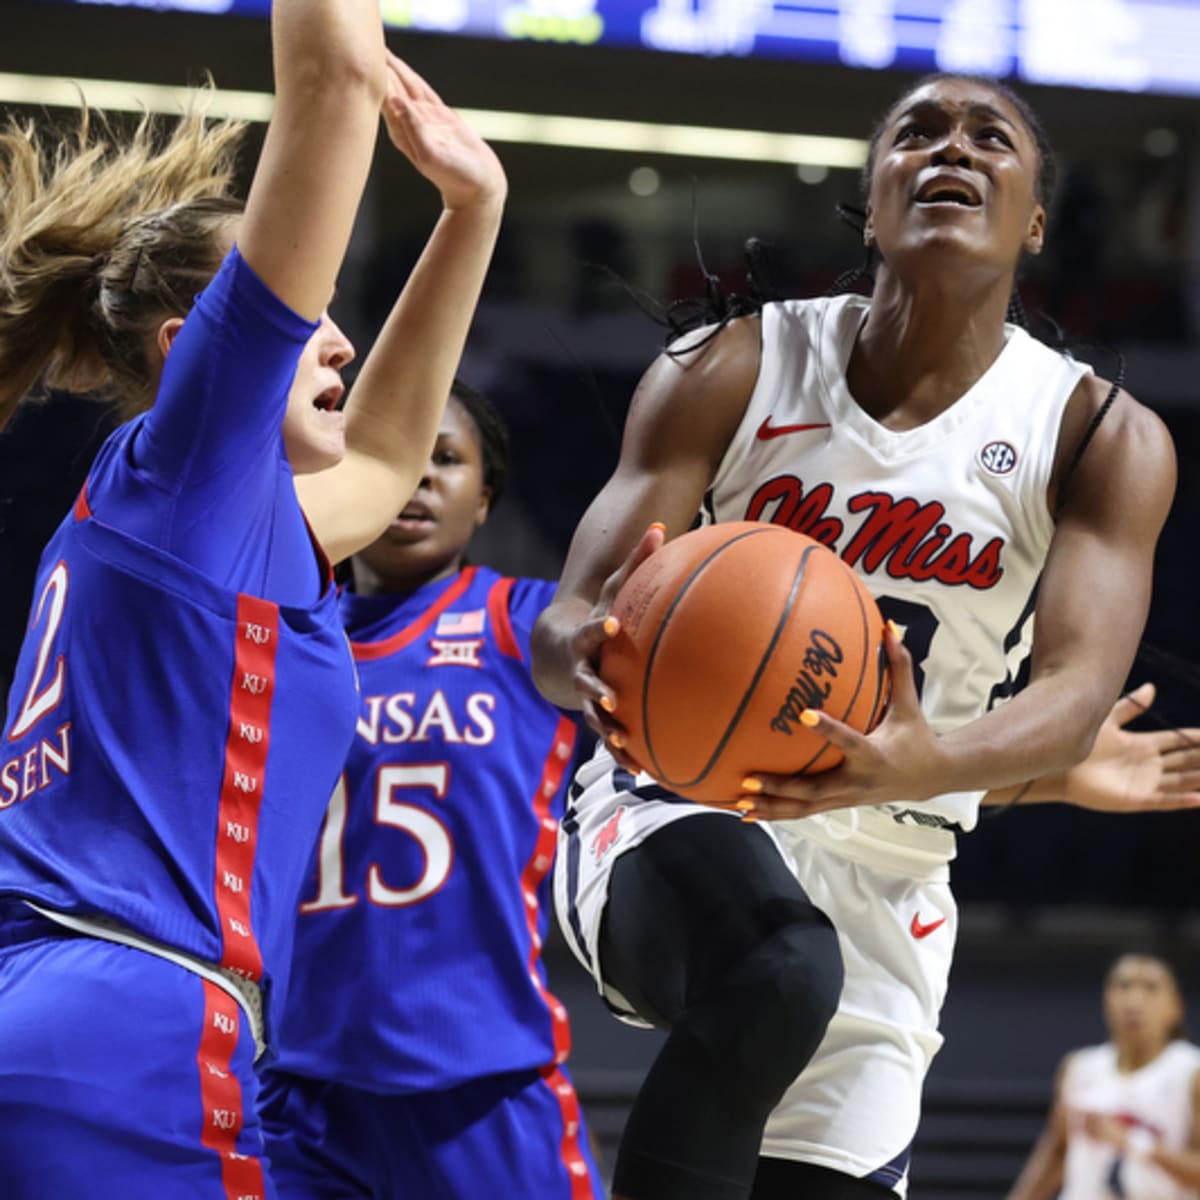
<point>727,634</point>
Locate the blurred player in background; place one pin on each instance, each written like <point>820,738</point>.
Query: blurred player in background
<point>421,1052</point>
<point>972,476</point>
<point>1126,1118</point>
<point>185,696</point>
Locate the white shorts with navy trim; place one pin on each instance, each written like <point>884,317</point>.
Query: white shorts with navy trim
<point>885,887</point>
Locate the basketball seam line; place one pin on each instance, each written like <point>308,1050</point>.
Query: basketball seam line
<point>663,625</point>
<point>740,712</point>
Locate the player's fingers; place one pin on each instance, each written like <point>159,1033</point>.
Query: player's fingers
<point>904,702</point>
<point>1173,802</point>
<point>415,85</point>
<point>1181,745</point>
<point>783,808</point>
<point>848,741</point>
<point>593,690</point>
<point>649,542</point>
<point>591,634</point>
<point>1181,781</point>
<point>611,732</point>
<point>1133,704</point>
<point>736,805</point>
<point>623,757</point>
<point>768,789</point>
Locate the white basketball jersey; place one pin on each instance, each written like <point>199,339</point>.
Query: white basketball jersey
<point>947,523</point>
<point>1156,1098</point>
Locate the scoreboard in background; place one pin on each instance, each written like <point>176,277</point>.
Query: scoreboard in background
<point>1137,45</point>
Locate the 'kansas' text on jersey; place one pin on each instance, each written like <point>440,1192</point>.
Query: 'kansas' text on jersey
<point>432,869</point>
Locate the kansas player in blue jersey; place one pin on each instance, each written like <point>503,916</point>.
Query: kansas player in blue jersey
<point>421,1051</point>
<point>185,696</point>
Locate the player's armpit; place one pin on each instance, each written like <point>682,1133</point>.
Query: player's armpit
<point>681,420</point>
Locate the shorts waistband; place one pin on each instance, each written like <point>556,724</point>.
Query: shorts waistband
<point>22,920</point>
<point>875,838</point>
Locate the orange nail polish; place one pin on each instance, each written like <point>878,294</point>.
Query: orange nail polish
<point>611,626</point>
<point>658,525</point>
<point>895,630</point>
<point>616,741</point>
<point>607,704</point>
<point>810,717</point>
<point>750,784</point>
<point>745,805</point>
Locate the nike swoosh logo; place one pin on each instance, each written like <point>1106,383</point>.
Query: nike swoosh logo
<point>766,430</point>
<point>923,931</point>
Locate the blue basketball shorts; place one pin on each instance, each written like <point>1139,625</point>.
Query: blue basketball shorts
<point>121,1074</point>
<point>506,1137</point>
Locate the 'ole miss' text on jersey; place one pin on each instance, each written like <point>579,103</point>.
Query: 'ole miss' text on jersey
<point>431,875</point>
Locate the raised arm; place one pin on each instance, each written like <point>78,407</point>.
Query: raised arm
<point>681,421</point>
<point>393,413</point>
<point>329,83</point>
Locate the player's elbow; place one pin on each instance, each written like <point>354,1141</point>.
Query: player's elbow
<point>335,74</point>
<point>1077,731</point>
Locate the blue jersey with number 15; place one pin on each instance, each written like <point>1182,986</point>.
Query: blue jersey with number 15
<point>418,944</point>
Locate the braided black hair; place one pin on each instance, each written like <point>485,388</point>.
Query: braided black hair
<point>493,436</point>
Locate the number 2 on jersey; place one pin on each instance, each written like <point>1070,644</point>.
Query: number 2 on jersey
<point>39,699</point>
<point>431,835</point>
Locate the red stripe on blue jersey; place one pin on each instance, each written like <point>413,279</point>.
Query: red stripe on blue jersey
<point>221,1096</point>
<point>572,1155</point>
<point>82,509</point>
<point>557,762</point>
<point>242,788</point>
<point>368,651</point>
<point>453,789</point>
<point>497,607</point>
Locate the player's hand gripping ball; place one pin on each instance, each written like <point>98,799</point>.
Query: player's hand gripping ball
<point>727,635</point>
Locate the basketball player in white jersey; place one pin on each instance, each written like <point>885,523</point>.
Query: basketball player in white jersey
<point>972,476</point>
<point>1126,1118</point>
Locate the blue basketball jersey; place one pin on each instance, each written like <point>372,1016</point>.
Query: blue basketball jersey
<point>185,695</point>
<point>418,944</point>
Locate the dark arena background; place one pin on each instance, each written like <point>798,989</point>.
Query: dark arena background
<point>620,186</point>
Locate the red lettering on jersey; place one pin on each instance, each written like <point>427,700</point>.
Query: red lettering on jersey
<point>795,510</point>
<point>221,1095</point>
<point>33,771</point>
<point>606,839</point>
<point>246,749</point>
<point>907,539</point>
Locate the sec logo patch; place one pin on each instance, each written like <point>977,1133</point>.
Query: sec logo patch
<point>998,458</point>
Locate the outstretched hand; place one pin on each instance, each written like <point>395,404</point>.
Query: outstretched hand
<point>599,702</point>
<point>893,763</point>
<point>438,142</point>
<point>1157,771</point>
